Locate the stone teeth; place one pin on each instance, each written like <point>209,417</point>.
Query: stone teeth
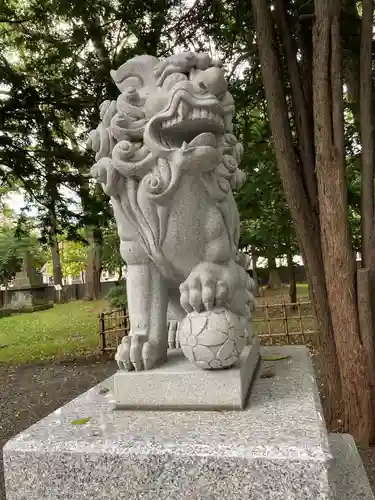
<point>204,113</point>
<point>183,110</point>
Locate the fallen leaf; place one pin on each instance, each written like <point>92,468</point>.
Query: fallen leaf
<point>275,358</point>
<point>81,421</point>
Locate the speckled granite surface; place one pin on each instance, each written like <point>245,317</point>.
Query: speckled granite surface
<point>276,449</point>
<point>348,476</point>
<point>180,385</point>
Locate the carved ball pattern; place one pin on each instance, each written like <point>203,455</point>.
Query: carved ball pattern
<point>212,339</point>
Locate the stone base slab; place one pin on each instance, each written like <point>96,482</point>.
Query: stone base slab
<point>275,449</point>
<point>349,480</point>
<point>180,385</point>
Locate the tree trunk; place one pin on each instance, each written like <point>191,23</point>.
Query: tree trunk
<point>56,261</point>
<point>274,281</point>
<point>305,220</point>
<point>292,280</point>
<point>300,107</point>
<point>366,120</point>
<point>339,264</point>
<point>94,266</point>
<point>254,261</point>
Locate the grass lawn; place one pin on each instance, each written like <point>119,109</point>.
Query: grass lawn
<point>71,330</point>
<point>65,331</point>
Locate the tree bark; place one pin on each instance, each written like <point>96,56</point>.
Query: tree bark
<point>292,280</point>
<point>367,134</point>
<point>274,281</point>
<point>94,266</point>
<point>300,108</point>
<point>254,261</point>
<point>305,220</point>
<point>339,264</point>
<point>56,260</point>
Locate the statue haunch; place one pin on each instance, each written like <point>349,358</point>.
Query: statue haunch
<point>166,156</point>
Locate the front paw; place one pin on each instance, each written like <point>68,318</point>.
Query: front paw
<point>205,288</point>
<point>136,353</point>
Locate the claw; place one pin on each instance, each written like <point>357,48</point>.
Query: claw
<point>149,356</point>
<point>208,296</point>
<point>196,299</point>
<point>136,351</point>
<point>184,298</point>
<point>123,355</point>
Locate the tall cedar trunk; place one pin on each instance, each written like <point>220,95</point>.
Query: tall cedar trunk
<point>274,281</point>
<point>339,264</point>
<point>55,251</point>
<point>254,261</point>
<point>300,107</point>
<point>94,266</point>
<point>292,280</point>
<point>305,219</point>
<point>366,112</point>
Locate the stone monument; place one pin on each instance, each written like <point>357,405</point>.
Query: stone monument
<point>189,414</point>
<point>28,292</point>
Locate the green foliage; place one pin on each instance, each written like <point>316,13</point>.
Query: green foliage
<point>111,257</point>
<point>54,72</point>
<point>266,225</point>
<point>116,297</point>
<point>73,257</point>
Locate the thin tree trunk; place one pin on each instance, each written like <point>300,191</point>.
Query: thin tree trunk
<point>337,249</point>
<point>366,113</point>
<point>305,221</point>
<point>254,261</point>
<point>300,109</point>
<point>292,280</point>
<point>56,261</point>
<point>94,266</point>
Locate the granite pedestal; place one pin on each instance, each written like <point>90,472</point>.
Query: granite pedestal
<point>180,385</point>
<point>275,449</point>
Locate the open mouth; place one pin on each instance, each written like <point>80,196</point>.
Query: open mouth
<point>189,126</point>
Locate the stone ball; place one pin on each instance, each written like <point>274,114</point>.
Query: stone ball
<point>212,339</point>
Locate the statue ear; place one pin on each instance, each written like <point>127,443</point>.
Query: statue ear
<point>138,72</point>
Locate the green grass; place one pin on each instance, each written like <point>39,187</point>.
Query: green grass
<point>65,331</point>
<point>71,330</point>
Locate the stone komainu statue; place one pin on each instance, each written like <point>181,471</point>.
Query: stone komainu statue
<point>167,157</point>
